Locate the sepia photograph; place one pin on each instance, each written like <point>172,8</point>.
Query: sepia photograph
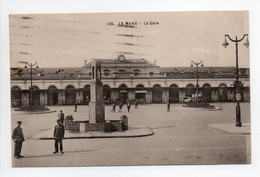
<point>130,89</point>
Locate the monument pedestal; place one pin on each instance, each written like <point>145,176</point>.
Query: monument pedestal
<point>96,116</point>
<point>96,105</point>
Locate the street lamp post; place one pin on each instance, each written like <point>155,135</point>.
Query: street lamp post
<point>237,84</point>
<point>197,77</point>
<point>31,88</point>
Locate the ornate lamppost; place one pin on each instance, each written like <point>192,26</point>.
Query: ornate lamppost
<point>237,84</point>
<point>31,87</point>
<point>197,77</point>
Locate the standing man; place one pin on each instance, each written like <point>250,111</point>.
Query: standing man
<point>120,106</point>
<point>136,103</point>
<point>18,140</point>
<point>168,106</point>
<point>61,117</point>
<point>114,107</point>
<point>76,107</point>
<point>58,136</point>
<point>128,105</point>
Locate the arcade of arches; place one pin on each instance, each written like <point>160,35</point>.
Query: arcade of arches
<point>155,94</point>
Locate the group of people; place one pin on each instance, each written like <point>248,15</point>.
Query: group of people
<point>128,104</point>
<point>121,104</point>
<point>58,136</point>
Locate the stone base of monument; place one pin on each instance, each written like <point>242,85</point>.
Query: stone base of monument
<point>36,109</point>
<point>107,126</point>
<point>199,105</point>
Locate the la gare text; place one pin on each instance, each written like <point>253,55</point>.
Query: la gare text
<point>133,23</point>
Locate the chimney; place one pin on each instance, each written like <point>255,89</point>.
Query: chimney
<point>155,62</point>
<point>85,62</point>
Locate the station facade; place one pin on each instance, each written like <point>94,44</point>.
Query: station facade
<point>126,79</point>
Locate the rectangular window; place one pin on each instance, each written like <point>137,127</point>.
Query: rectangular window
<point>151,73</point>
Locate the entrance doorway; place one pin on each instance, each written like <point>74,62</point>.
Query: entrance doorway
<point>86,94</point>
<point>190,90</point>
<point>174,93</point>
<point>70,95</point>
<point>35,95</point>
<point>52,95</point>
<point>157,94</point>
<point>206,93</point>
<point>16,96</point>
<point>223,93</point>
<point>106,92</point>
<point>140,92</point>
<point>123,93</point>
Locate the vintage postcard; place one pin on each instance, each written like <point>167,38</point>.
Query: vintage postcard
<point>137,88</point>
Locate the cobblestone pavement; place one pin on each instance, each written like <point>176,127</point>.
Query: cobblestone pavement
<point>181,136</point>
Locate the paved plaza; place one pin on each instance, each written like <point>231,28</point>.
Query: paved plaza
<point>181,136</point>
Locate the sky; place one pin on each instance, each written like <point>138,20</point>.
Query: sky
<point>173,40</point>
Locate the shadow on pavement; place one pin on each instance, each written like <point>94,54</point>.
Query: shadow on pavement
<point>163,127</point>
<point>58,154</point>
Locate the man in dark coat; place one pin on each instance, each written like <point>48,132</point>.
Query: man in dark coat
<point>136,104</point>
<point>114,107</point>
<point>168,106</point>
<point>58,136</point>
<point>61,117</point>
<point>120,106</point>
<point>128,105</point>
<point>76,107</point>
<point>18,140</point>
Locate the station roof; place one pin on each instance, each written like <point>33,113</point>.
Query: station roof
<point>168,72</point>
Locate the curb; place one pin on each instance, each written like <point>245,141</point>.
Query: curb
<point>100,136</point>
<point>44,112</point>
<point>230,131</point>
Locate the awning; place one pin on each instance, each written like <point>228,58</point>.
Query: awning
<point>141,91</point>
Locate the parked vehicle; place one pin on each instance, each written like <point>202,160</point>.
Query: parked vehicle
<point>187,99</point>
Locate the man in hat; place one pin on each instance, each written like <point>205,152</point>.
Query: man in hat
<point>58,136</point>
<point>61,117</point>
<point>168,105</point>
<point>128,105</point>
<point>18,138</point>
<point>76,107</point>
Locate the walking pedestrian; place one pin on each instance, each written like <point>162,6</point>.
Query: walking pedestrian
<point>136,103</point>
<point>58,136</point>
<point>168,106</point>
<point>61,117</point>
<point>18,138</point>
<point>128,105</point>
<point>76,107</point>
<point>114,107</point>
<point>120,106</point>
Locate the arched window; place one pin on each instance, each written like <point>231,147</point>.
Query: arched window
<point>140,86</point>
<point>136,72</point>
<point>106,72</point>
